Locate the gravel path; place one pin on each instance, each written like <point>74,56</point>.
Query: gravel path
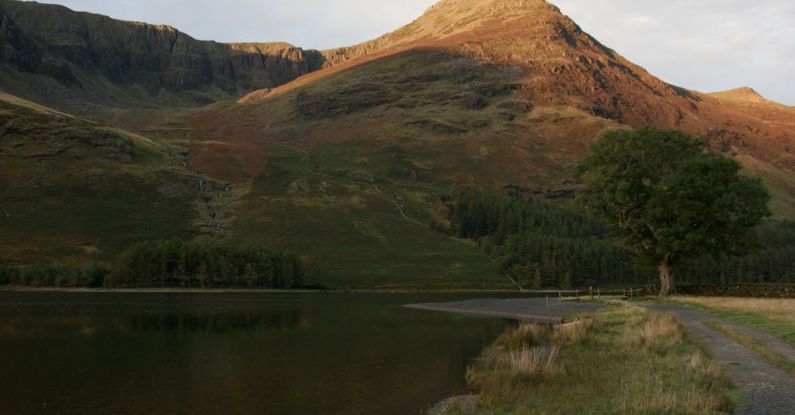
<point>766,388</point>
<point>523,309</point>
<point>772,343</point>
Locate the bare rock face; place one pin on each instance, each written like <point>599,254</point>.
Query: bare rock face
<point>15,48</point>
<point>71,47</point>
<point>282,62</point>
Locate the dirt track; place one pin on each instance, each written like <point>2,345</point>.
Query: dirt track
<point>766,388</point>
<point>523,309</point>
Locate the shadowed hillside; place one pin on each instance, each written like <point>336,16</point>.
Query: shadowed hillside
<point>74,191</point>
<point>84,63</point>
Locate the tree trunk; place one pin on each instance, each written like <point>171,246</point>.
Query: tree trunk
<point>667,285</point>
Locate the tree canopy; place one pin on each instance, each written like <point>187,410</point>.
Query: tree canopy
<point>539,245</point>
<point>669,198</point>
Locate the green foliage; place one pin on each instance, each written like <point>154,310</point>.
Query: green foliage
<point>705,207</point>
<point>670,200</point>
<point>773,263</point>
<point>176,263</point>
<point>540,245</point>
<point>8,275</point>
<point>48,275</point>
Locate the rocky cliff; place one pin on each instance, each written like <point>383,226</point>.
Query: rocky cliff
<point>94,59</point>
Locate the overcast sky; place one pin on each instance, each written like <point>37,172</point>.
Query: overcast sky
<point>706,45</point>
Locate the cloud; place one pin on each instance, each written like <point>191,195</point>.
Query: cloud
<point>706,44</point>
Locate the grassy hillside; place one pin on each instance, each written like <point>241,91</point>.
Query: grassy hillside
<point>356,230</point>
<point>72,191</point>
<point>350,171</point>
<point>76,192</point>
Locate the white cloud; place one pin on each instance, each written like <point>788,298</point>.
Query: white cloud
<point>704,44</point>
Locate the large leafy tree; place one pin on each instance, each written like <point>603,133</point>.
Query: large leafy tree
<point>670,199</point>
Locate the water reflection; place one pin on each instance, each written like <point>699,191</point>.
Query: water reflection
<point>158,323</point>
<point>219,323</point>
<point>231,354</point>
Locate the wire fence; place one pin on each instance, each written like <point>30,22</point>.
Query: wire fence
<point>592,294</point>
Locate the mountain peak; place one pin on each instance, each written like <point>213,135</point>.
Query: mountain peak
<point>491,6</point>
<point>746,94</point>
<point>446,19</point>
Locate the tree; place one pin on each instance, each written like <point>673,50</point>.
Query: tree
<point>670,199</point>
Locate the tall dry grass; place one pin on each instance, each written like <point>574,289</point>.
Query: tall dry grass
<point>531,361</point>
<point>653,331</point>
<point>622,360</point>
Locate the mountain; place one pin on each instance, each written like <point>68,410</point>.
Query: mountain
<point>85,63</point>
<point>566,85</point>
<point>349,164</point>
<point>555,68</point>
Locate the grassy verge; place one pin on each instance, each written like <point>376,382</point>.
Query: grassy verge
<point>621,360</point>
<point>772,316</point>
<point>747,341</point>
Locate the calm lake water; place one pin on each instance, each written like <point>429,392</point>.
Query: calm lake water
<point>246,353</point>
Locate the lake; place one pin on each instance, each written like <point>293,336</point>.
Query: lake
<point>232,353</point>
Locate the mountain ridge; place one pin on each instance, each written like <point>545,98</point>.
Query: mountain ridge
<point>436,23</point>
<point>71,60</point>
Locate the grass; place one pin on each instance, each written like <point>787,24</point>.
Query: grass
<point>329,162</point>
<point>69,197</point>
<point>621,360</point>
<point>773,316</point>
<point>75,192</point>
<point>351,234</point>
<point>749,342</point>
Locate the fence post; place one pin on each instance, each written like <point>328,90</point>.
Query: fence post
<point>560,296</point>
<point>547,300</point>
<point>599,293</point>
<point>590,292</point>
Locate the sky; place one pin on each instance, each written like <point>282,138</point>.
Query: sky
<point>707,45</point>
